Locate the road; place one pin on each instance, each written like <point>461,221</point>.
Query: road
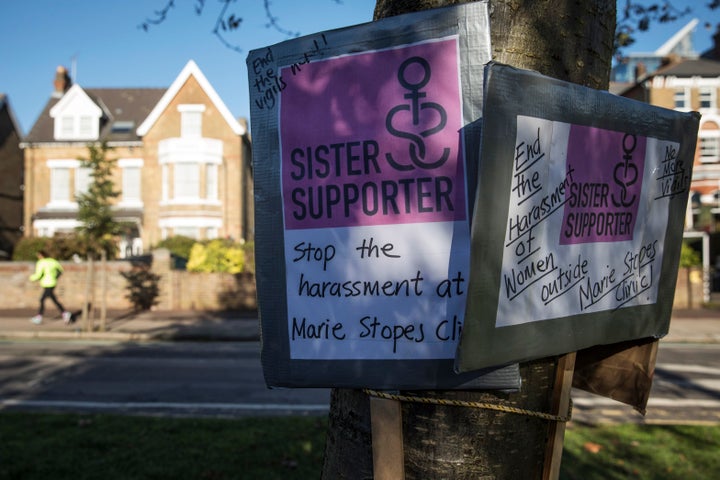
<point>686,389</point>
<point>179,378</point>
<point>225,379</point>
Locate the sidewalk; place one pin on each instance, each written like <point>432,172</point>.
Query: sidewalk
<point>138,327</point>
<point>686,326</point>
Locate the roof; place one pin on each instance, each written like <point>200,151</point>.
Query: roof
<point>129,106</point>
<point>129,113</point>
<point>678,43</point>
<point>191,69</point>
<point>690,68</point>
<point>5,103</point>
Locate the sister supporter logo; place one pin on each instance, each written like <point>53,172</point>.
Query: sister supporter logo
<point>373,139</point>
<point>605,170</point>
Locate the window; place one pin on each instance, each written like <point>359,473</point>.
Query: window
<point>131,184</point>
<point>86,127</point>
<point>681,99</point>
<point>709,149</point>
<point>131,180</point>
<point>185,180</point>
<point>191,226</point>
<point>191,120</point>
<point>67,126</point>
<point>707,97</point>
<point>211,181</point>
<point>192,232</point>
<point>83,179</point>
<point>190,170</point>
<point>76,116</point>
<point>60,185</point>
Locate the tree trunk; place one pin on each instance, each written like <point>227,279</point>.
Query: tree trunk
<point>568,40</point>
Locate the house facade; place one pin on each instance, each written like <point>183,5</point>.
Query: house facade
<point>182,161</point>
<point>11,180</point>
<point>692,85</point>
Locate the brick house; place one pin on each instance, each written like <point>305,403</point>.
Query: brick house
<point>11,179</point>
<point>183,162</point>
<point>692,85</point>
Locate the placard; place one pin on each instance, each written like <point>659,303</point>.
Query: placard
<point>362,217</point>
<point>578,219</point>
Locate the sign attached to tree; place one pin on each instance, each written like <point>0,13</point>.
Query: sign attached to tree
<point>578,220</point>
<point>361,175</point>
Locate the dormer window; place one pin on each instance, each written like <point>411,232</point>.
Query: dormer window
<point>77,116</point>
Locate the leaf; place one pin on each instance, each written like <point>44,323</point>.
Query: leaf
<point>592,447</point>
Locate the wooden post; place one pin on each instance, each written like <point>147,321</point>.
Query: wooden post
<point>560,406</point>
<point>103,290</point>
<point>86,306</point>
<point>387,439</point>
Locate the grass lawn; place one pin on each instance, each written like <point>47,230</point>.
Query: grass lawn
<point>68,446</point>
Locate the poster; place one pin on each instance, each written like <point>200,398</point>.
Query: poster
<point>582,242</point>
<point>362,178</point>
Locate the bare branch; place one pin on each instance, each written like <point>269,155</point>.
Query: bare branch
<point>638,16</point>
<point>273,22</point>
<point>160,16</point>
<point>226,22</point>
<point>224,25</point>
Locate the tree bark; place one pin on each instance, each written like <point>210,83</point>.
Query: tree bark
<point>566,39</point>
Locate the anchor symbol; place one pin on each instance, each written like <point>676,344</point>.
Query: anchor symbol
<point>417,147</point>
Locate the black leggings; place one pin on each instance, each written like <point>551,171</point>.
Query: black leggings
<point>48,292</point>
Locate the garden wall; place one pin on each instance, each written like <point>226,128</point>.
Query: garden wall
<point>183,290</point>
<point>179,289</point>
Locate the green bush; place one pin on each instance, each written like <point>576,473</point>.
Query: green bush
<point>60,247</point>
<point>689,257</point>
<point>179,245</point>
<point>27,247</point>
<point>216,256</point>
<point>249,249</point>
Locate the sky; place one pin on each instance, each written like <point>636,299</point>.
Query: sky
<point>102,45</point>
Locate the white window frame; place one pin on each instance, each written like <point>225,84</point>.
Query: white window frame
<point>67,126</point>
<point>187,231</point>
<point>85,126</point>
<point>178,224</point>
<point>191,120</point>
<point>200,152</point>
<point>60,186</point>
<point>211,182</point>
<point>165,187</point>
<point>709,146</point>
<point>62,196</point>
<point>83,179</point>
<point>76,117</point>
<point>681,98</point>
<point>131,181</point>
<point>708,95</point>
<point>186,182</point>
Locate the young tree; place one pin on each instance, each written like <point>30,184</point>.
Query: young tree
<point>97,226</point>
<point>571,41</point>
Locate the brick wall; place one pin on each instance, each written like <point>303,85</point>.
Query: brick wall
<point>182,290</point>
<point>179,290</point>
<point>689,288</point>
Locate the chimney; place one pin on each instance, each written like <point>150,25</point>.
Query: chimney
<point>62,81</point>
<point>640,71</point>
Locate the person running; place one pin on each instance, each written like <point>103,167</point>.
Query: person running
<point>47,272</point>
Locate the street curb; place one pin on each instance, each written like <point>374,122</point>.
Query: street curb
<point>114,336</point>
<point>122,337</point>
